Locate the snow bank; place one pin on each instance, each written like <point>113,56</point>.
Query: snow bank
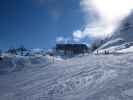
<point>17,63</point>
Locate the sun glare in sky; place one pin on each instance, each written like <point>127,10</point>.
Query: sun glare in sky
<point>113,9</point>
<point>109,12</point>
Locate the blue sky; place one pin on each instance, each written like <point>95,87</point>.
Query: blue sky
<point>37,23</point>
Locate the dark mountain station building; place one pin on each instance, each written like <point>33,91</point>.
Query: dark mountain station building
<point>71,49</point>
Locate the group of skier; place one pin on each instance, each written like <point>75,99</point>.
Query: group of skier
<point>104,52</point>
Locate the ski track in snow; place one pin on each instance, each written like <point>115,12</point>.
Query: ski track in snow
<point>92,77</point>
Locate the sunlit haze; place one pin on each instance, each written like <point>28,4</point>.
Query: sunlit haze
<point>109,15</point>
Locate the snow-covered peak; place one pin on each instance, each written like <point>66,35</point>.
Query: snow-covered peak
<point>36,50</point>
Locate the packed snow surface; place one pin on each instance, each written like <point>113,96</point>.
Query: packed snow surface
<point>90,77</point>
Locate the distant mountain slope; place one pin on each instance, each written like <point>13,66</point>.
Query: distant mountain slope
<point>125,30</point>
<point>122,37</point>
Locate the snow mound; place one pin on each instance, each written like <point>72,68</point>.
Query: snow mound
<point>17,63</point>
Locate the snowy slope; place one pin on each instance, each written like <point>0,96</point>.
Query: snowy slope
<point>103,77</point>
<point>112,43</point>
<point>125,47</point>
<point>126,50</point>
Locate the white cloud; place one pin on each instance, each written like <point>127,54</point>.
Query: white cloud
<point>78,34</point>
<point>62,40</point>
<point>59,39</point>
<point>108,14</point>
